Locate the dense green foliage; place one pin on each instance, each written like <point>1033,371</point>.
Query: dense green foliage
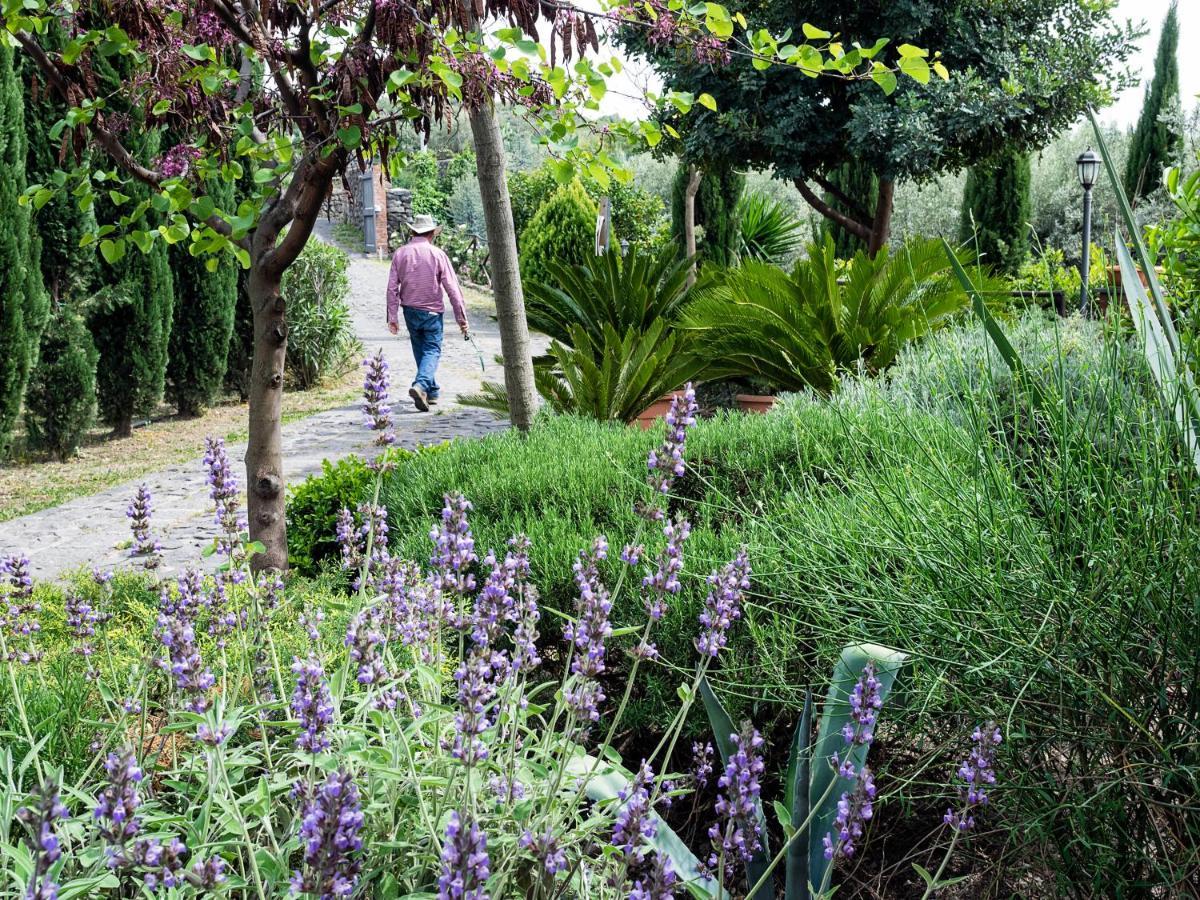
<point>563,230</point>
<point>205,307</point>
<point>857,183</point>
<point>60,403</point>
<point>996,211</point>
<point>321,341</point>
<point>1156,140</point>
<point>23,300</point>
<point>433,180</point>
<point>768,230</point>
<point>716,208</point>
<point>803,329</point>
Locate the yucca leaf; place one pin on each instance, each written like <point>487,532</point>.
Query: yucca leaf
<point>823,792</point>
<point>605,783</point>
<point>796,799</point>
<point>723,732</point>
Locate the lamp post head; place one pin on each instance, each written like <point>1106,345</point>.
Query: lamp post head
<point>1087,166</point>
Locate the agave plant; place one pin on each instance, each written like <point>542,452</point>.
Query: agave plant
<point>631,291</point>
<point>769,230</point>
<point>800,330</point>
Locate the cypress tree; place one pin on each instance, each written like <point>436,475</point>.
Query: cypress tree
<point>60,405</point>
<point>1155,141</point>
<point>132,312</point>
<point>562,230</point>
<point>996,209</point>
<point>716,212</point>
<point>205,304</point>
<point>857,182</point>
<point>23,300</point>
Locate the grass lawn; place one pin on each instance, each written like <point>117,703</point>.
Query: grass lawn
<point>31,483</point>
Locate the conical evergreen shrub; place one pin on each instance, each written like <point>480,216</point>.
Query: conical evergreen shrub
<point>23,301</point>
<point>716,213</point>
<point>60,404</point>
<point>1157,139</point>
<point>857,181</point>
<point>563,230</point>
<point>996,211</point>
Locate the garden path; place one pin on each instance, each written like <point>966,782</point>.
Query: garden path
<point>88,531</point>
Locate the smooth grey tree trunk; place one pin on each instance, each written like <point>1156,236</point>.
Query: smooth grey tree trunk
<point>506,273</point>
<point>689,219</point>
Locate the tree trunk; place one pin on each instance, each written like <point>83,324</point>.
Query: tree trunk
<point>881,227</point>
<point>506,272</point>
<point>689,220</point>
<point>264,452</point>
<point>123,427</point>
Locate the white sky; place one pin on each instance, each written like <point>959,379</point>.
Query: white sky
<point>636,77</point>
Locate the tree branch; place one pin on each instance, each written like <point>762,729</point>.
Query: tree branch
<point>856,228</point>
<point>301,205</point>
<point>855,208</point>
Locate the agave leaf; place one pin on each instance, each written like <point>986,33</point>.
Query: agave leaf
<point>830,741</point>
<point>605,784</point>
<point>798,776</point>
<point>723,732</point>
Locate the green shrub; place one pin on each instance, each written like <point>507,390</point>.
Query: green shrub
<point>768,230</point>
<point>996,211</point>
<point>321,341</point>
<point>563,230</point>
<point>716,213</point>
<point>60,404</point>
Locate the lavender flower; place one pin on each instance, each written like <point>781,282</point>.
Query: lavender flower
<point>40,819</point>
<point>312,705</point>
<point>348,540</point>
<point>476,688</point>
<point>191,595</point>
<point>310,621</point>
<point>163,862</point>
<point>375,395</point>
<point>81,620</point>
<point>658,883</point>
<point>525,610</point>
<point>183,661</point>
<point>329,830</point>
<point>664,580</point>
<point>270,587</point>
<point>495,604</point>
<point>545,850</point>
<point>977,774</point>
<point>588,632</point>
<point>635,823</point>
<point>364,637</point>
<point>454,551</point>
<point>723,605</point>
<point>18,612</point>
<point>214,736</point>
<point>116,808</point>
<point>465,864</point>
<point>865,703</point>
<point>702,762</point>
<point>666,463</point>
<point>505,789</point>
<point>737,804</point>
<point>853,809</point>
<point>139,513</point>
<point>226,496</point>
<point>206,875</point>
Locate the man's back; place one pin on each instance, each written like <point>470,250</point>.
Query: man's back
<point>420,272</point>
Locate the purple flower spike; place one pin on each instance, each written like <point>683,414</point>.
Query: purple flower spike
<point>139,513</point>
<point>635,824</point>
<point>588,632</point>
<point>40,819</point>
<point>81,620</point>
<point>465,863</point>
<point>18,611</point>
<point>226,496</point>
<point>365,638</point>
<point>214,737</point>
<point>525,610</point>
<point>206,875</point>
<point>723,605</point>
<point>865,703</point>
<point>454,551</point>
<point>977,773</point>
<point>312,704</point>
<point>183,662</point>
<point>658,883</point>
<point>854,808</point>
<point>666,463</point>
<point>116,809</point>
<point>736,831</point>
<point>375,396</point>
<point>702,762</point>
<point>329,830</point>
<point>664,580</point>
<point>545,850</point>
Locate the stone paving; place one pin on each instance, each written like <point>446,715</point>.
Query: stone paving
<point>87,531</point>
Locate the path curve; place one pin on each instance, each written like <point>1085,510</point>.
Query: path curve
<point>88,530</point>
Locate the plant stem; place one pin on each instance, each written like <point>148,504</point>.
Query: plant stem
<point>937,876</point>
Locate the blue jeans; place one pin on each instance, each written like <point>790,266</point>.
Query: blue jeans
<point>425,334</point>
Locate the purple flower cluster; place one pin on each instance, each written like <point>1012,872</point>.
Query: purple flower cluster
<point>183,661</point>
<point>214,735</point>
<point>702,763</point>
<point>546,850</point>
<point>116,809</point>
<point>494,605</point>
<point>226,495</point>
<point>18,612</point>
<point>312,705</point>
<point>658,883</point>
<point>81,620</point>
<point>163,863</point>
<point>737,804</point>
<point>475,677</point>
<point>465,863</point>
<point>329,830</point>
<point>635,824</point>
<point>375,396</point>
<point>977,774</point>
<point>865,703</point>
<point>723,605</point>
<point>365,638</point>
<point>854,808</point>
<point>666,463</point>
<point>178,161</point>
<point>588,632</point>
<point>454,549</point>
<point>357,541</point>
<point>139,512</point>
<point>40,819</point>
<point>663,582</point>
<point>525,609</point>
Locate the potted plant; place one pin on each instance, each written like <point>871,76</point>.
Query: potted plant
<point>758,398</point>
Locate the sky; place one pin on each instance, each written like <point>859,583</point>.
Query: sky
<point>632,83</point>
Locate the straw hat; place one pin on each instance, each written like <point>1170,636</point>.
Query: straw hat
<point>423,224</point>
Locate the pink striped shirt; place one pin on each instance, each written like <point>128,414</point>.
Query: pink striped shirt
<point>420,272</point>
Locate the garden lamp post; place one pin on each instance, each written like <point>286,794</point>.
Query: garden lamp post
<point>1088,168</point>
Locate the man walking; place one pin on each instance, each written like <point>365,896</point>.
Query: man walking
<point>420,272</point>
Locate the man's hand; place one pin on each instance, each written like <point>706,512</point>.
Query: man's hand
<point>393,328</point>
<point>465,329</point>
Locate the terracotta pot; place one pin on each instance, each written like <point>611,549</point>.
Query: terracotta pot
<point>655,411</point>
<point>755,403</point>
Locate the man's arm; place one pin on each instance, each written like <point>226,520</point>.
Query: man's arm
<point>393,292</point>
<point>449,283</point>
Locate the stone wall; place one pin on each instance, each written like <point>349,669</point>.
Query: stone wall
<point>399,214</point>
<point>345,204</point>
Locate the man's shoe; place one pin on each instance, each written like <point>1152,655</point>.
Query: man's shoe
<point>419,398</point>
<point>432,401</point>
